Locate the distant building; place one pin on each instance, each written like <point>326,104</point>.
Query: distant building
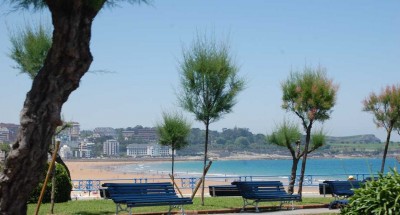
<point>104,131</point>
<point>12,131</point>
<point>111,148</point>
<point>128,134</point>
<point>75,130</point>
<point>71,133</point>
<point>136,150</point>
<point>84,150</point>
<point>148,135</point>
<point>65,152</point>
<point>2,155</point>
<point>4,135</point>
<point>148,150</point>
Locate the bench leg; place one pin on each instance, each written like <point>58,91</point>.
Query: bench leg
<point>244,205</point>
<point>170,209</point>
<point>182,210</point>
<point>257,210</point>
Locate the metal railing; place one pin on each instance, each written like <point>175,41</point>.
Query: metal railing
<point>88,185</point>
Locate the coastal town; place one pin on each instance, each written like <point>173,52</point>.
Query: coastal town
<point>143,142</point>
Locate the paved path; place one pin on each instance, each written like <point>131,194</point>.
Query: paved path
<point>290,212</point>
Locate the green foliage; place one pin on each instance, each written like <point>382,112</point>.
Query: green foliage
<point>386,110</point>
<point>310,95</point>
<point>376,197</point>
<point>318,139</point>
<point>286,134</point>
<point>29,49</point>
<point>5,147</point>
<point>96,4</point>
<point>242,142</point>
<point>173,131</point>
<point>209,80</point>
<point>385,107</point>
<point>62,190</point>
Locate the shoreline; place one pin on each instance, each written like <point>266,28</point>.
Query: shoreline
<point>200,158</point>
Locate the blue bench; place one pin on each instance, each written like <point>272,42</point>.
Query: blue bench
<point>144,194</point>
<point>254,192</point>
<point>223,190</point>
<point>341,190</point>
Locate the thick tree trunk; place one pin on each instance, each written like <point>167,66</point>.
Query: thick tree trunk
<point>205,164</point>
<point>386,149</point>
<point>292,179</point>
<point>304,161</point>
<point>68,60</point>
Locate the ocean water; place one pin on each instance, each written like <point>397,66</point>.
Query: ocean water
<point>267,167</point>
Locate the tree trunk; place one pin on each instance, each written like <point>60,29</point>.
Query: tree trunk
<point>386,148</point>
<point>60,161</point>
<point>67,61</point>
<point>304,161</point>
<point>205,165</point>
<point>293,175</point>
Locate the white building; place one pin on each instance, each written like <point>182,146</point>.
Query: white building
<point>2,155</point>
<point>4,134</point>
<point>65,152</point>
<point>84,150</point>
<point>136,150</point>
<point>111,147</point>
<point>150,150</point>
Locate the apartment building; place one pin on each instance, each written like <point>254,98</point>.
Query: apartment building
<point>4,135</point>
<point>111,148</point>
<point>148,150</point>
<point>84,150</point>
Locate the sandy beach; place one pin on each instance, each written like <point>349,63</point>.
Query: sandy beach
<point>106,171</point>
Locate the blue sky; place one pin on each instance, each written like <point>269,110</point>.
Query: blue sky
<point>358,42</point>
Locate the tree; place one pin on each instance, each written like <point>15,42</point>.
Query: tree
<point>173,131</point>
<point>209,85</point>
<point>29,49</point>
<point>288,135</point>
<point>386,110</point>
<point>68,59</point>
<point>310,95</point>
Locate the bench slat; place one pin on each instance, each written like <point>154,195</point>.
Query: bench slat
<point>264,191</point>
<point>144,194</point>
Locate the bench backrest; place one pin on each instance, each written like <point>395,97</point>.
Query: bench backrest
<point>343,188</point>
<point>139,189</point>
<point>252,188</point>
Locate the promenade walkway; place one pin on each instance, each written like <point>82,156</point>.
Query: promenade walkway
<point>297,211</point>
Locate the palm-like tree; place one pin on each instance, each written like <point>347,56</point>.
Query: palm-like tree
<point>174,132</point>
<point>386,110</point>
<point>310,95</point>
<point>209,85</point>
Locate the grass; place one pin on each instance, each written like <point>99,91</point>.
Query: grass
<point>92,207</point>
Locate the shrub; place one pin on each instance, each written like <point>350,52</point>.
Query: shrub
<point>62,190</point>
<point>381,196</point>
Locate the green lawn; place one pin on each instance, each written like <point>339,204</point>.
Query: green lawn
<point>92,207</point>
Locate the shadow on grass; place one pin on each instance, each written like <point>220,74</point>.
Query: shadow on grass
<point>94,213</point>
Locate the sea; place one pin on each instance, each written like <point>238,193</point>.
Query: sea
<point>279,167</point>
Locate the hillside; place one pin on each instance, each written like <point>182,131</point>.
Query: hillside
<point>366,138</point>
